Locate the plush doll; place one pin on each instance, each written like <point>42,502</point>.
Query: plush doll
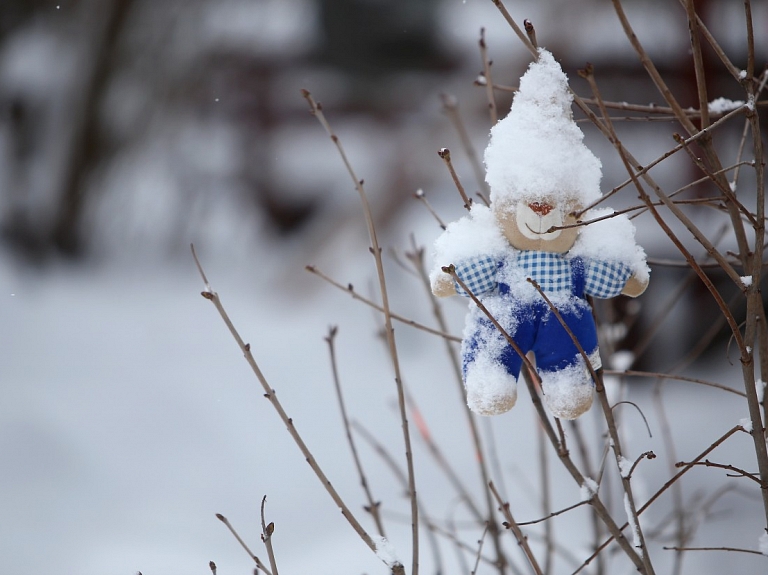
<point>541,177</point>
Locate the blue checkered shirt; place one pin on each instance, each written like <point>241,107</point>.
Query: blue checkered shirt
<point>552,271</point>
<point>478,274</point>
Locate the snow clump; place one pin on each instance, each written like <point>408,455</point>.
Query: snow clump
<point>385,551</point>
<point>636,540</point>
<point>537,152</point>
<point>723,105</point>
<point>625,466</point>
<point>763,541</point>
<point>588,489</point>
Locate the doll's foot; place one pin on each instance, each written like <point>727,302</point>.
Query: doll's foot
<point>491,390</point>
<point>568,392</point>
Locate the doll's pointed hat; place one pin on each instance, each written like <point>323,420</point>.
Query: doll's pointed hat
<point>537,152</point>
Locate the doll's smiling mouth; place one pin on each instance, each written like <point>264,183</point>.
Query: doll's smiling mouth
<point>537,232</point>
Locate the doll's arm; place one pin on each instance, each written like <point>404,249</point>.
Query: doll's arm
<point>478,274</point>
<point>606,279</point>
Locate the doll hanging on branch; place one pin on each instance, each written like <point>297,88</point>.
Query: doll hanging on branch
<point>541,177</point>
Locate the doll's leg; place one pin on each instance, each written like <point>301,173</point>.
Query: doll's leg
<point>490,371</point>
<point>566,380</point>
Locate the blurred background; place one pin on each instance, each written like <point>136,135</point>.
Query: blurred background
<point>131,128</point>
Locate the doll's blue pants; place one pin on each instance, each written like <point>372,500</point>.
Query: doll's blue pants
<point>538,330</point>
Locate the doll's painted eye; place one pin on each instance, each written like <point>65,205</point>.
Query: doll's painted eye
<point>540,208</point>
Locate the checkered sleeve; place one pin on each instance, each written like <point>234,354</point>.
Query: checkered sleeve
<point>606,279</point>
<point>478,274</point>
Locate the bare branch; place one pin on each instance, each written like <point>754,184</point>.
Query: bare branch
<point>316,110</point>
<point>271,395</point>
<point>523,37</point>
<point>522,540</point>
<point>373,505</point>
<point>445,154</point>
<point>259,564</point>
<point>355,295</point>
<point>451,109</point>
<point>488,80</point>
<point>266,536</point>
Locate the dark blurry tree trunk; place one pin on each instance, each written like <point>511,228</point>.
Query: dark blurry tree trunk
<point>86,148</point>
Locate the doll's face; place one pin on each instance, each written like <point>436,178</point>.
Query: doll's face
<point>526,225</point>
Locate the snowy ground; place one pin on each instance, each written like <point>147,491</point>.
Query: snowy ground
<point>130,418</point>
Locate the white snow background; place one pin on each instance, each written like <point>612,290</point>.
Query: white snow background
<point>129,417</point>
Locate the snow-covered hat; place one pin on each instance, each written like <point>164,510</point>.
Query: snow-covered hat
<point>537,151</point>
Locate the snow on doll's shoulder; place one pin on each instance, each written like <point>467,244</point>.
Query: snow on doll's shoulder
<point>476,234</point>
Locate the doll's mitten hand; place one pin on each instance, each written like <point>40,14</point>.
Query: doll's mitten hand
<point>442,286</point>
<point>634,287</point>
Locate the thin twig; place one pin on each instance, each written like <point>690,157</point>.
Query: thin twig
<point>349,288</point>
<point>644,455</point>
<point>642,170</point>
<point>554,514</point>
<point>715,549</point>
<point>629,164</point>
<point>316,110</point>
<point>640,411</point>
<point>232,530</point>
<point>510,524</point>
<point>531,32</point>
<point>662,490</point>
<point>704,134</point>
<point>546,492</point>
<point>520,34</point>
<point>721,183</point>
<point>445,154</point>
<point>451,109</point>
<point>597,531</point>
<point>488,80</point>
<point>732,70</point>
<point>755,309</point>
<point>750,41</point>
<point>698,63</point>
<point>421,196</point>
<point>373,505</point>
<point>401,476</point>
<point>651,69</point>
<point>479,550</point>
<point>266,536</point>
<point>635,373</point>
<point>727,467</point>
<point>271,395</point>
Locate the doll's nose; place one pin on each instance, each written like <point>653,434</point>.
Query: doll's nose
<point>541,209</point>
